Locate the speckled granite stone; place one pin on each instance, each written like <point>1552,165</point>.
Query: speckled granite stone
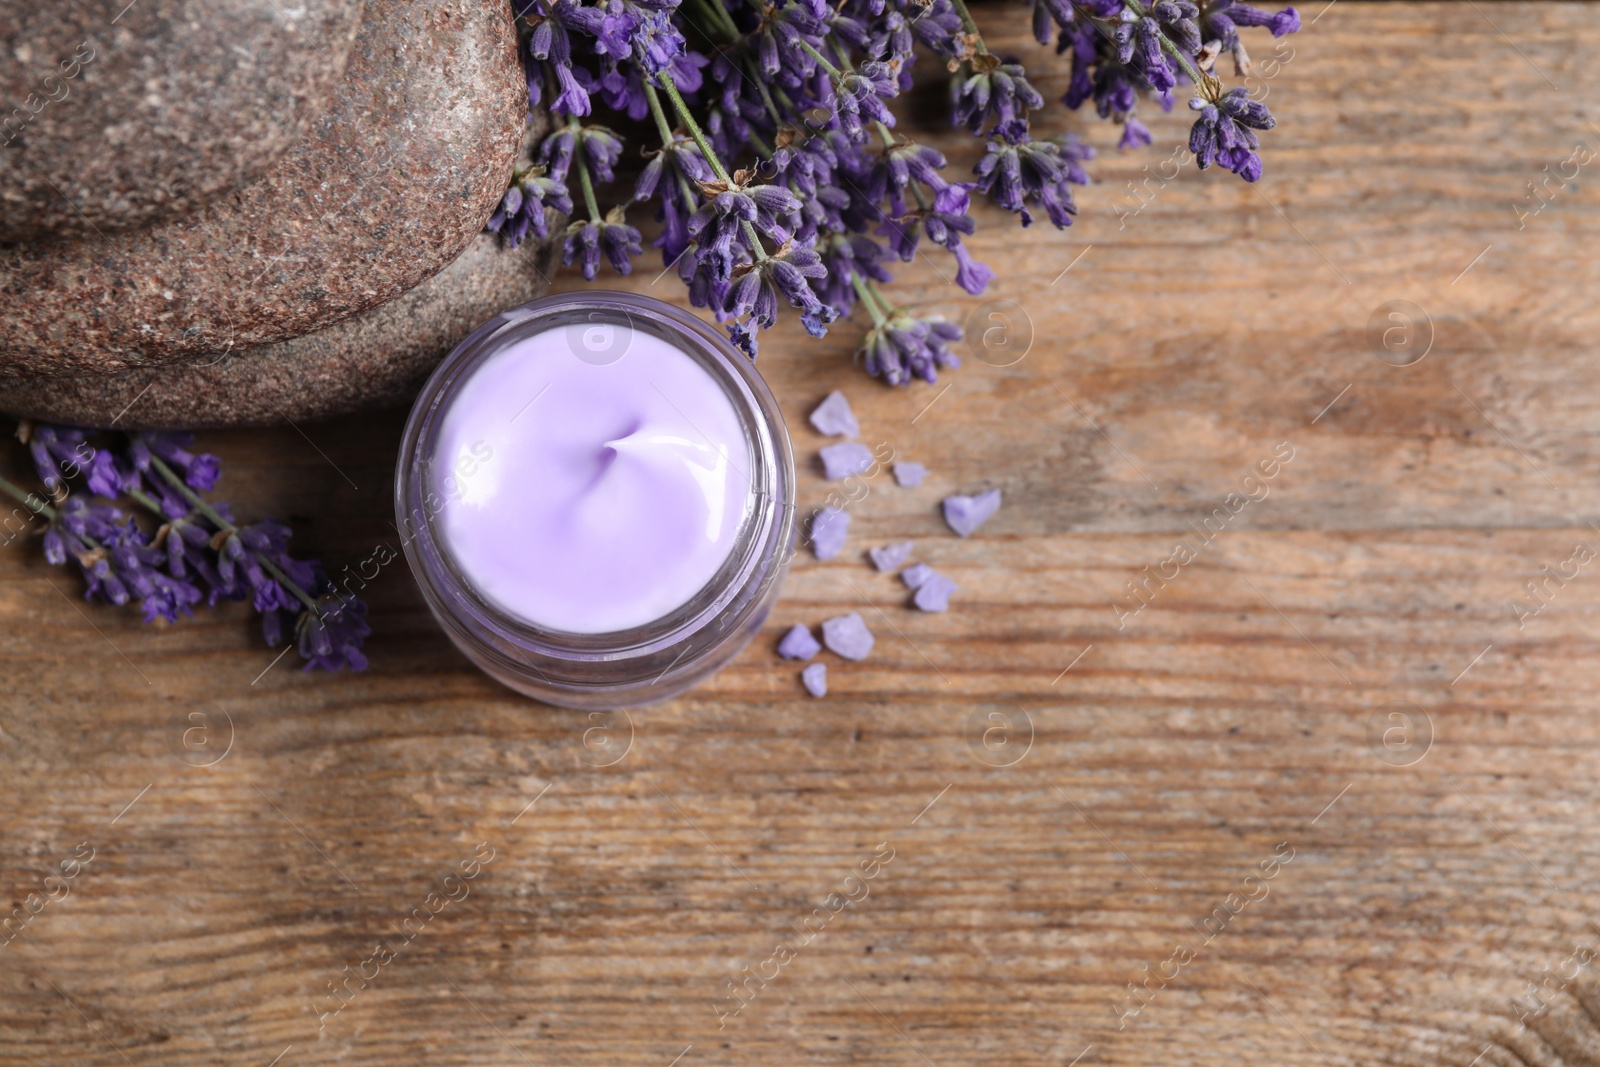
<point>115,114</point>
<point>378,357</point>
<point>390,185</point>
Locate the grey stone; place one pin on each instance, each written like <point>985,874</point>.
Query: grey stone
<point>376,358</point>
<point>117,114</point>
<point>392,182</point>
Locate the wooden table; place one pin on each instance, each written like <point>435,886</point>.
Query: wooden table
<point>1068,801</point>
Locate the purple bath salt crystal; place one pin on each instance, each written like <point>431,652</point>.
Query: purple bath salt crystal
<point>829,526</point>
<point>834,417</point>
<point>848,636</point>
<point>965,514</point>
<point>933,594</point>
<point>798,643</point>
<point>916,574</point>
<point>909,475</point>
<point>846,458</point>
<point>815,679</point>
<point>888,557</point>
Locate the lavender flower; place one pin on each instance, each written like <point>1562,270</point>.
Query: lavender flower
<point>1001,95</point>
<point>1225,132</point>
<point>778,39</point>
<point>57,452</point>
<point>861,96</point>
<point>676,171</point>
<point>196,550</point>
<point>719,224</point>
<point>1042,172</point>
<point>766,175</point>
<point>525,208</point>
<point>1178,21</point>
<point>787,272</point>
<point>549,51</point>
<point>200,472</point>
<point>332,639</point>
<point>903,347</point>
<point>586,240</point>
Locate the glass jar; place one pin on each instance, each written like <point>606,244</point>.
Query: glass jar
<point>646,662</point>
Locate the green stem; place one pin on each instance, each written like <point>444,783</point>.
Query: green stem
<point>720,18</point>
<point>583,169</point>
<point>588,186</point>
<point>195,501</point>
<point>884,133</point>
<point>883,301</point>
<point>667,137</point>
<point>148,501</point>
<point>838,51</point>
<point>662,126</point>
<point>766,94</point>
<point>32,501</point>
<point>681,108</point>
<point>821,59</point>
<point>864,291</point>
<point>685,116</point>
<point>969,25</point>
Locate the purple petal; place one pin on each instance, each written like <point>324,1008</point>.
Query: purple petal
<point>845,459</point>
<point>965,514</point>
<point>889,557</point>
<point>798,643</point>
<point>834,417</point>
<point>815,679</point>
<point>848,636</point>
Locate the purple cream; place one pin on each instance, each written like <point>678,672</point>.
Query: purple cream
<point>587,496</point>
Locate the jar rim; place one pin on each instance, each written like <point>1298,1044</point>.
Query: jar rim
<point>504,643</point>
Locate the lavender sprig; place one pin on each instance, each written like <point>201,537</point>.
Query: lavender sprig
<point>196,552</point>
<point>776,174</point>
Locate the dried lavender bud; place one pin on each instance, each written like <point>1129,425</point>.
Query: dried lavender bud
<point>829,526</point>
<point>834,417</point>
<point>915,575</point>
<point>798,643</point>
<point>844,459</point>
<point>964,514</point>
<point>815,679</point>
<point>933,594</point>
<point>909,475</point>
<point>888,557</point>
<point>847,636</point>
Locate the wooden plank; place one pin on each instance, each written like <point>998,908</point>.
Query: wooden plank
<point>1233,715</point>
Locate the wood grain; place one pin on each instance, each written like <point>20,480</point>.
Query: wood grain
<point>1230,721</point>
